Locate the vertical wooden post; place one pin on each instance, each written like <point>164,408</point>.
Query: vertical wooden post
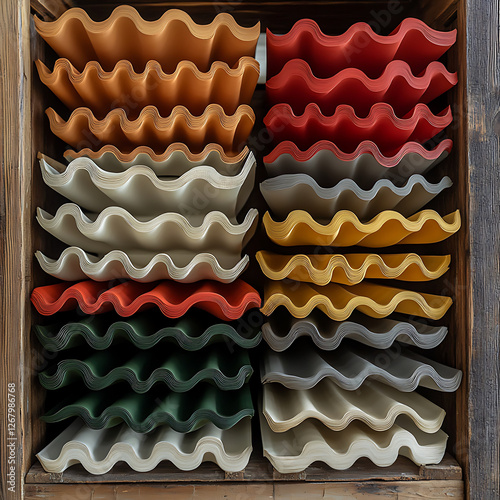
<point>15,156</point>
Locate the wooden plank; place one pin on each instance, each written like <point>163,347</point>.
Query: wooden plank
<point>371,490</point>
<point>32,355</point>
<point>481,20</point>
<point>363,470</point>
<point>447,469</point>
<point>50,9</point>
<point>149,491</point>
<point>259,469</point>
<point>462,323</point>
<point>15,125</point>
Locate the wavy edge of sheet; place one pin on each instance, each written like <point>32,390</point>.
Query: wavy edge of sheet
<point>401,442</point>
<point>79,331</point>
<point>427,416</point>
<point>319,201</point>
<point>224,161</point>
<point>395,69</point>
<point>354,275</point>
<point>203,266</point>
<point>154,86</point>
<point>168,409</point>
<point>87,226</point>
<point>56,174</point>
<point>219,306</point>
<point>323,41</point>
<point>408,332</point>
<point>59,126</point>
<point>207,31</point>
<point>281,232</point>
<point>63,178</point>
<point>276,295</point>
<point>283,113</point>
<point>211,443</point>
<point>365,147</point>
<point>76,369</point>
<point>113,414</point>
<point>63,66</point>
<point>445,38</point>
<point>369,365</point>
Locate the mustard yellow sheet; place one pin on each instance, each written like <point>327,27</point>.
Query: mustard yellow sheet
<point>345,229</point>
<point>352,268</point>
<point>338,301</point>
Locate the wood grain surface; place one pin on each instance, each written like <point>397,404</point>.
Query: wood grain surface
<point>372,490</point>
<point>258,470</point>
<point>483,115</point>
<point>15,127</point>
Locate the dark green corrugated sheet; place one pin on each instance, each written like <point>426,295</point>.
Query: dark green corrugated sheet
<point>145,330</point>
<point>180,370</point>
<point>184,412</point>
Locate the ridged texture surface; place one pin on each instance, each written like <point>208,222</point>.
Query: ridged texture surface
<point>282,330</point>
<point>74,264</point>
<point>145,330</point>
<point>347,130</point>
<point>116,229</point>
<point>182,412</point>
<point>375,404</point>
<point>176,159</point>
<point>287,193</point>
<point>350,269</point>
<point>352,364</point>
<point>225,301</point>
<point>126,35</point>
<point>345,229</point>
<point>328,165</point>
<point>84,130</point>
<point>311,441</point>
<point>177,369</point>
<point>99,450</point>
<point>140,191</point>
<point>338,302</point>
<point>102,91</point>
<point>359,47</point>
<point>397,86</point>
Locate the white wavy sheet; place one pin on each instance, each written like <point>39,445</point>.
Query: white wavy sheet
<point>375,404</point>
<point>365,170</point>
<point>99,450</point>
<point>282,330</point>
<point>140,191</point>
<point>176,161</point>
<point>74,264</point>
<point>311,441</point>
<point>116,229</point>
<point>351,365</point>
<point>289,192</point>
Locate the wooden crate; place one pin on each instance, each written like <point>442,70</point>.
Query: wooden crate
<point>472,464</point>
